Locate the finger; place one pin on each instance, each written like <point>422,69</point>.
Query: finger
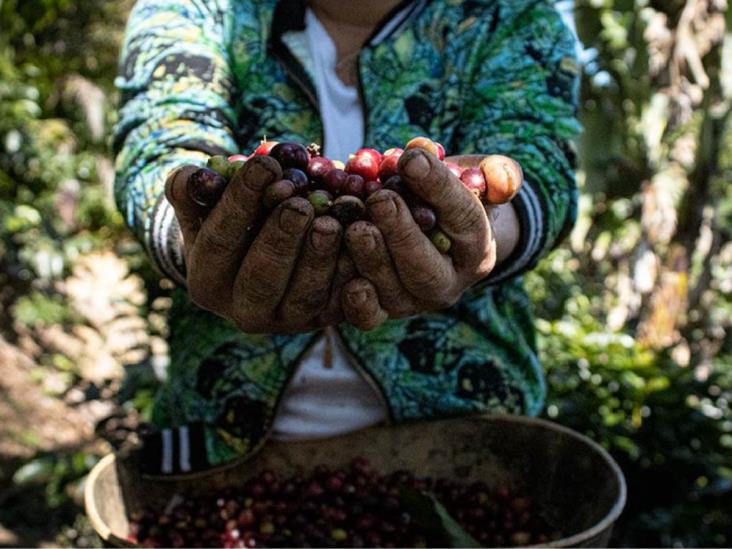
<point>368,250</point>
<point>307,294</point>
<point>461,215</point>
<point>225,234</point>
<point>422,269</point>
<point>269,263</point>
<point>188,213</point>
<point>361,305</point>
<point>344,273</point>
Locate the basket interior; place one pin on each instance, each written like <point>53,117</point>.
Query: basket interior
<point>575,484</point>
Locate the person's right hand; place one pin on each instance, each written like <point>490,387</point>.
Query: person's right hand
<point>286,276</point>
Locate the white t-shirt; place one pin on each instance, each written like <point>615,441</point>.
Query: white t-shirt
<point>322,399</point>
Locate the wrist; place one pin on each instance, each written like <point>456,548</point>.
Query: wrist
<point>506,230</point>
<point>166,242</point>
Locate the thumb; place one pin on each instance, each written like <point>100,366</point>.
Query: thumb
<point>188,213</point>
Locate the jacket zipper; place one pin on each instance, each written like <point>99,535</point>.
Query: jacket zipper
<point>305,87</point>
<point>383,23</point>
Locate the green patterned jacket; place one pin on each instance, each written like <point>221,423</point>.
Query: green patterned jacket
<point>200,77</point>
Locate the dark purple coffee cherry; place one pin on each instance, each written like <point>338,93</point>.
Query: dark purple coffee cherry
<point>205,187</point>
<point>353,186</point>
<point>370,187</point>
<point>397,184</point>
<point>425,217</point>
<point>318,167</point>
<point>278,192</point>
<point>298,177</point>
<point>348,209</point>
<point>334,483</point>
<point>333,181</point>
<point>291,155</point>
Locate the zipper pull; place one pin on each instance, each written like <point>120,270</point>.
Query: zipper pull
<point>328,351</point>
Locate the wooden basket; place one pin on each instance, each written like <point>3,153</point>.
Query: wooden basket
<point>577,485</point>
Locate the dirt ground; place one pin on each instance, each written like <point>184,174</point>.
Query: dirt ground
<point>35,424</point>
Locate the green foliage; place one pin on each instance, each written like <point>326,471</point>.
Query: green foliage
<point>37,308</point>
<point>55,472</point>
<point>662,411</point>
<point>669,428</point>
<point>50,157</point>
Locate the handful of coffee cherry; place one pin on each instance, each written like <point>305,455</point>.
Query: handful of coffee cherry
<point>339,190</point>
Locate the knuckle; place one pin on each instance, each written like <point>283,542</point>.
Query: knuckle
<point>443,300</point>
<point>321,249</point>
<point>469,219</point>
<point>212,244</point>
<point>274,251</point>
<point>406,239</point>
<point>260,292</point>
<point>429,281</point>
<point>308,304</point>
<point>441,190</point>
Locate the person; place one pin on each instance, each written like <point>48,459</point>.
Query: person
<point>291,326</point>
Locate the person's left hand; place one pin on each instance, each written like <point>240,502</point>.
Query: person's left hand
<point>409,274</point>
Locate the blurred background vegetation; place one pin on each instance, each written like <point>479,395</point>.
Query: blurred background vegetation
<point>634,309</point>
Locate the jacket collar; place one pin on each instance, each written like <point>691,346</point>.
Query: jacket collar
<point>289,15</point>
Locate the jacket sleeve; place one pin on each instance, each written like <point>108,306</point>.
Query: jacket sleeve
<point>522,103</point>
<point>176,89</point>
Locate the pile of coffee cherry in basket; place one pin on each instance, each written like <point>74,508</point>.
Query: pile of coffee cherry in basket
<point>339,190</point>
<point>350,506</point>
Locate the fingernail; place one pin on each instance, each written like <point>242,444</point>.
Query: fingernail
<point>322,240</point>
<point>418,166</point>
<point>292,220</point>
<point>172,175</point>
<point>385,207</point>
<point>368,242</point>
<point>357,298</point>
<point>260,172</point>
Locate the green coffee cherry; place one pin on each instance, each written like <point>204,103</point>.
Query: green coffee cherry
<point>219,164</point>
<point>321,201</point>
<point>441,241</point>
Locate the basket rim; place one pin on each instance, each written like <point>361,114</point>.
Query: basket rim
<point>92,512</point>
<point>110,460</point>
<point>615,511</point>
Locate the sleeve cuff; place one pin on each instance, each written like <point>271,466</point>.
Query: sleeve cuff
<point>166,242</point>
<point>531,238</point>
